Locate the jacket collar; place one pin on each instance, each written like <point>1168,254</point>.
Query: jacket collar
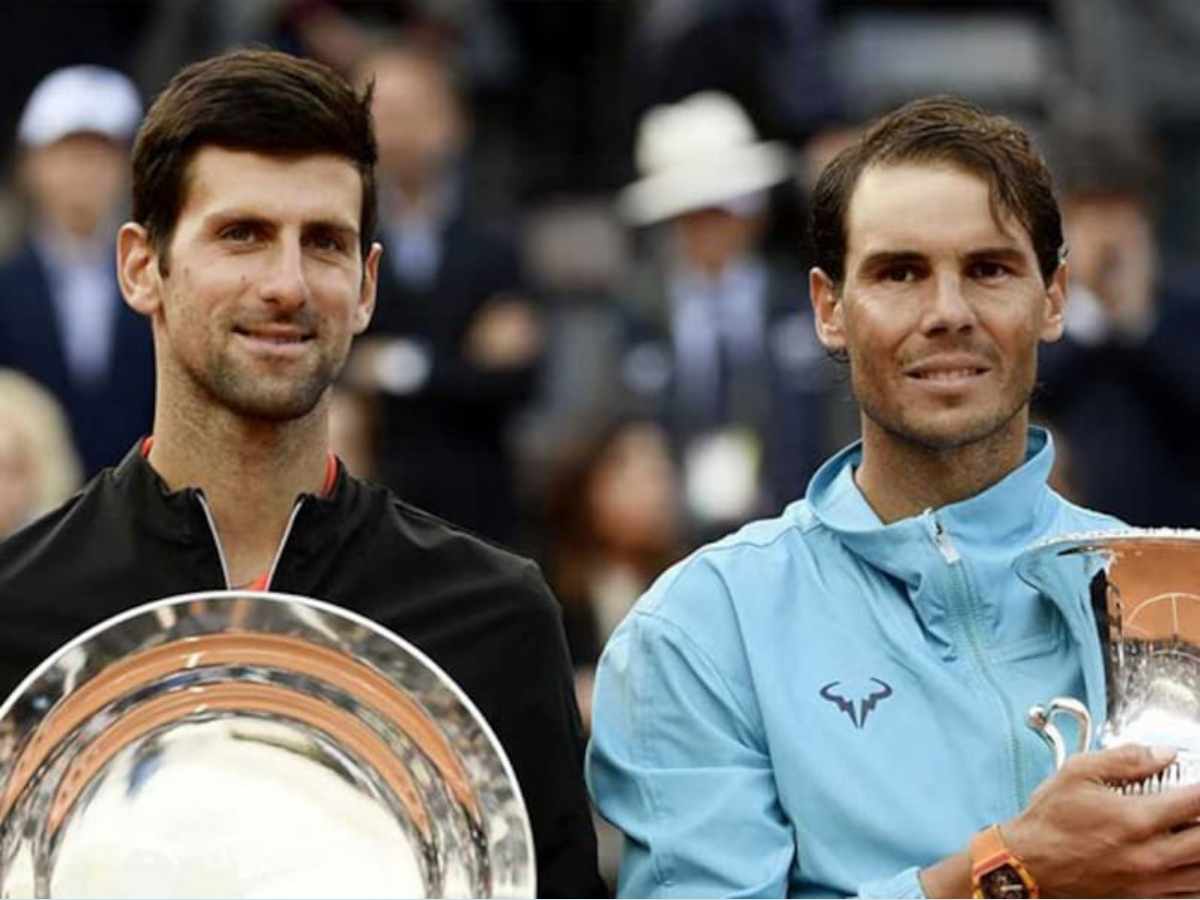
<point>179,516</point>
<point>1010,514</point>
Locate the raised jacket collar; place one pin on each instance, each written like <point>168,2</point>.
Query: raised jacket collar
<point>1009,515</point>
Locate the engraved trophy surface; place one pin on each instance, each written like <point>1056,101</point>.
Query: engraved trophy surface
<point>232,744</point>
<point>1143,586</point>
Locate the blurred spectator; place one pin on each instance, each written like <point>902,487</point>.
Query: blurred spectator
<point>1121,387</point>
<point>772,56</point>
<point>455,343</point>
<point>613,524</point>
<point>720,342</point>
<point>39,38</point>
<point>38,465</point>
<point>62,319</point>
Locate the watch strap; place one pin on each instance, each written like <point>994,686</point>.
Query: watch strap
<point>995,870</point>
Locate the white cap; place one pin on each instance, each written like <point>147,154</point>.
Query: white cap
<point>80,99</point>
<point>701,152</point>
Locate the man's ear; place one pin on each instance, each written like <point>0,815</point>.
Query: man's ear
<point>366,293</point>
<point>137,269</point>
<point>1055,304</point>
<point>827,310</point>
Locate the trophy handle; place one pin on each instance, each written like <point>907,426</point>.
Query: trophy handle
<point>1041,720</point>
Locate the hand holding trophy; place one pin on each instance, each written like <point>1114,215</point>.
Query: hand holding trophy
<point>1143,591</point>
<point>1115,821</point>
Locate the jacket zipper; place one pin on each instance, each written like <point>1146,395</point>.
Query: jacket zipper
<point>212,527</point>
<point>287,531</point>
<point>971,629</point>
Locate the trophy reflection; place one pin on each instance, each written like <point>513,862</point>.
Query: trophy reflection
<point>233,744</point>
<point>1144,589</point>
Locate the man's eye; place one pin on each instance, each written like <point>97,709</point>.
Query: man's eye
<point>988,270</point>
<point>238,233</point>
<point>900,274</point>
<point>327,242</point>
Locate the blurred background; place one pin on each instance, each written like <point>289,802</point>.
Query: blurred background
<point>593,340</point>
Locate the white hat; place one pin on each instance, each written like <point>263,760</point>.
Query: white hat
<point>700,152</point>
<point>80,99</point>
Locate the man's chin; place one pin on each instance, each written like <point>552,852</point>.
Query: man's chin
<point>285,403</point>
<point>278,411</point>
<point>951,431</point>
<point>949,439</point>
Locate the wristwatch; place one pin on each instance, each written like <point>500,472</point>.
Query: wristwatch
<point>995,870</point>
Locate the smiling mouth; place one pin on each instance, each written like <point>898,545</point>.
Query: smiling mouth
<point>282,338</point>
<point>948,374</point>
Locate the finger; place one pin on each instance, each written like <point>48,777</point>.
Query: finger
<point>1181,882</point>
<point>1170,809</point>
<point>1129,762</point>
<point>1171,851</point>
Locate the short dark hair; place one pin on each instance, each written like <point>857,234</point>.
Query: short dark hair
<point>260,100</point>
<point>943,129</point>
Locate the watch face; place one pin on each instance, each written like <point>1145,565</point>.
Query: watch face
<point>1003,881</point>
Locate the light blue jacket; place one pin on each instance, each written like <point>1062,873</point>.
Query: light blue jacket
<point>820,704</point>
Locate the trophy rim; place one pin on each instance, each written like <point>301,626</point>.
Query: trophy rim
<point>1104,539</point>
<point>349,617</point>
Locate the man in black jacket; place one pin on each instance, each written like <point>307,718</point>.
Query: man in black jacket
<point>251,256</point>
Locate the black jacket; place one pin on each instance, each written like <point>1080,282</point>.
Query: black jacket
<point>484,615</point>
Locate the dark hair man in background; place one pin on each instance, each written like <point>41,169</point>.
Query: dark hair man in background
<point>453,350</point>
<point>1121,389</point>
<point>833,701</point>
<point>251,254</point>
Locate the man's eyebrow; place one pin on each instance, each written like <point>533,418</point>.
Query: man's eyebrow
<point>229,216</point>
<point>246,217</point>
<point>347,228</point>
<point>884,258</point>
<point>1001,251</point>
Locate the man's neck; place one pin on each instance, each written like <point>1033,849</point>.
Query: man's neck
<point>901,478</point>
<point>251,472</point>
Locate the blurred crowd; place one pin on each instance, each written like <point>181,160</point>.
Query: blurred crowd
<point>593,339</point>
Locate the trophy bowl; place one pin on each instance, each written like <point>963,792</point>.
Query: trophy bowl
<point>1143,587</point>
<point>232,744</point>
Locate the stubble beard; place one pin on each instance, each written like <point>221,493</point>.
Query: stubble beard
<point>272,398</point>
<point>979,430</point>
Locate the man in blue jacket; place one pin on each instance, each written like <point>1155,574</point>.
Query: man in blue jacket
<point>833,701</point>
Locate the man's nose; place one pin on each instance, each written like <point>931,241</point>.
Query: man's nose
<point>948,309</point>
<point>283,284</point>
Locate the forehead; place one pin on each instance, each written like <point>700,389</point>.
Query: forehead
<point>316,187</point>
<point>933,209</point>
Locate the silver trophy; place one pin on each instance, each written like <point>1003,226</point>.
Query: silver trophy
<point>1143,586</point>
<point>232,744</point>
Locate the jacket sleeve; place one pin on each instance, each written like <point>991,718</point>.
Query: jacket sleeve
<point>678,763</point>
<point>679,759</point>
<point>537,720</point>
